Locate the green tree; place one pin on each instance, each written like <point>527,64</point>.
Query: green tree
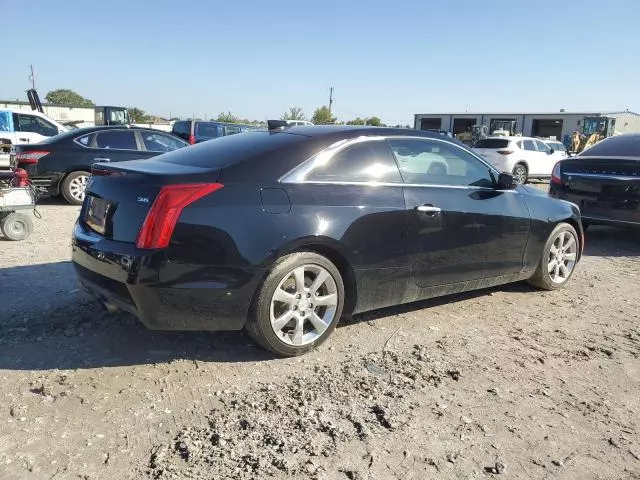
<point>137,115</point>
<point>227,118</point>
<point>374,122</point>
<point>69,98</point>
<point>357,121</point>
<point>322,116</point>
<point>294,113</point>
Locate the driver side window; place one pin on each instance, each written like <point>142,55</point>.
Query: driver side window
<point>33,124</point>
<point>440,163</point>
<point>541,147</point>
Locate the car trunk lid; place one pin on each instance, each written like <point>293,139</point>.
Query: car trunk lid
<point>604,185</point>
<point>119,196</point>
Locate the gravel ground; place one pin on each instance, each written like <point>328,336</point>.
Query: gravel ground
<point>508,382</point>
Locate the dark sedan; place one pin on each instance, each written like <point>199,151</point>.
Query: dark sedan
<point>62,164</point>
<point>284,231</point>
<point>604,181</point>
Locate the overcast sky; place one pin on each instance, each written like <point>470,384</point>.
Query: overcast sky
<point>386,58</point>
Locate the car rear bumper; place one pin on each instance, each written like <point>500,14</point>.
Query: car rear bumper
<point>598,211</point>
<point>164,295</point>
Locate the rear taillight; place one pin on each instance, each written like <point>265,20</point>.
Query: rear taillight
<point>504,152</point>
<point>556,174</point>
<point>192,139</point>
<point>161,220</point>
<point>30,158</point>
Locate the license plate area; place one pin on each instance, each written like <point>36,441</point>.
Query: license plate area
<point>97,214</point>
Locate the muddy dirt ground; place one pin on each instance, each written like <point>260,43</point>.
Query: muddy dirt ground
<point>508,382</point>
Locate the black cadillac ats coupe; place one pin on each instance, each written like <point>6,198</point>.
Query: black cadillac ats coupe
<point>283,231</point>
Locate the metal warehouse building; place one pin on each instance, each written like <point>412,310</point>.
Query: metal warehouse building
<point>559,125</point>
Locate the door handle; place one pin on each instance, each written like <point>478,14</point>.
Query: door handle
<point>100,159</point>
<point>428,209</point>
<point>24,140</point>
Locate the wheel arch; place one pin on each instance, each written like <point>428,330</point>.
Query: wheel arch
<point>336,253</point>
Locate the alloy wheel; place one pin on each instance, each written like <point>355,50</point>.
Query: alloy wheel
<point>562,257</point>
<point>304,305</point>
<point>520,174</point>
<point>77,187</point>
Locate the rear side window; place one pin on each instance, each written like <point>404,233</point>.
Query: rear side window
<point>206,130</point>
<point>119,139</point>
<point>232,149</point>
<point>492,143</point>
<point>363,162</point>
<point>529,145</point>
<point>85,140</point>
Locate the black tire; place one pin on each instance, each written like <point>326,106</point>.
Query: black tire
<point>258,324</point>
<point>520,173</point>
<point>16,226</point>
<point>68,190</point>
<point>542,278</point>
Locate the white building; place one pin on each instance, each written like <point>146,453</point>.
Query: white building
<point>559,125</point>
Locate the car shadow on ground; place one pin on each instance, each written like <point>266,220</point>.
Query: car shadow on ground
<point>72,331</point>
<point>604,241</point>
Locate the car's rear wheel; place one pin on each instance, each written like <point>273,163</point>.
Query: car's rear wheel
<point>520,173</point>
<point>559,258</point>
<point>73,187</point>
<point>298,304</point>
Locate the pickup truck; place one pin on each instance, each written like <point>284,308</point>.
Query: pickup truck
<point>19,127</point>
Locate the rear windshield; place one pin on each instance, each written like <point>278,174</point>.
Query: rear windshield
<point>206,130</point>
<point>492,143</point>
<point>618,146</point>
<point>225,151</point>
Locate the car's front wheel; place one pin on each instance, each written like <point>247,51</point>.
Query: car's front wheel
<point>298,304</point>
<point>73,187</point>
<point>559,258</point>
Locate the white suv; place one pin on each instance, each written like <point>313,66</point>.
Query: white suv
<point>524,157</point>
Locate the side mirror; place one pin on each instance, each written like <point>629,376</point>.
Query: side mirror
<point>505,181</point>
<point>551,151</point>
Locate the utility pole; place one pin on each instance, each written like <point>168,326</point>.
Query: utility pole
<point>32,77</point>
<point>330,100</point>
